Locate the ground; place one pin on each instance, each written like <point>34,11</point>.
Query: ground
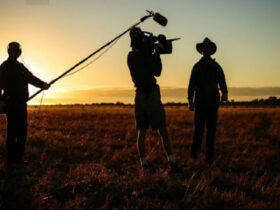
<point>85,157</point>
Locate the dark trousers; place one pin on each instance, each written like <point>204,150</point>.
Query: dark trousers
<point>208,116</point>
<point>16,132</point>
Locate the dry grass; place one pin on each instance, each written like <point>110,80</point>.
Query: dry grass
<point>86,158</point>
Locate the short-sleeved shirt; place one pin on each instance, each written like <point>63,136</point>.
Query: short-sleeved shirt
<point>143,69</point>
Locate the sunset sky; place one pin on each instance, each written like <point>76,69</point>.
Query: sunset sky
<point>56,34</point>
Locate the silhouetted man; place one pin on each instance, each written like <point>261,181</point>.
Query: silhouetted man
<point>203,94</point>
<point>14,80</point>
<point>149,111</point>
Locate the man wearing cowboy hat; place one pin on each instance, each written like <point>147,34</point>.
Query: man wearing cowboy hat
<point>206,79</point>
<point>14,80</point>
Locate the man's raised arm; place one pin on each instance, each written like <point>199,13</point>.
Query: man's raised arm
<point>35,80</point>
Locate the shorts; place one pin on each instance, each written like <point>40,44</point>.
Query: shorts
<point>149,111</point>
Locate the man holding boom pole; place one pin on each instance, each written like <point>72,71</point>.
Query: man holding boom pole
<point>14,80</point>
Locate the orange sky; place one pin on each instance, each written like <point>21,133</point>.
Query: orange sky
<point>57,35</point>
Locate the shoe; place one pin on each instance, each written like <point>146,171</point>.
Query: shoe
<point>173,168</point>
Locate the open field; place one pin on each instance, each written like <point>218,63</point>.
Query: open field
<point>86,158</point>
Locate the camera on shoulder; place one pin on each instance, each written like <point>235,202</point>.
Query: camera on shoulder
<point>149,43</point>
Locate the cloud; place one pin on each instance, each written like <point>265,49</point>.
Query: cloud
<point>126,95</point>
<point>265,91</point>
<point>179,93</point>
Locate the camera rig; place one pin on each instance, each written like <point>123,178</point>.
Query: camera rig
<point>149,43</point>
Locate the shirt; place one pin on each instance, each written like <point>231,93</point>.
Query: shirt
<point>143,69</point>
<point>14,80</point>
<point>206,78</point>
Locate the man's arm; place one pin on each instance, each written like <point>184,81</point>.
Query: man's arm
<point>2,79</point>
<point>155,64</point>
<point>192,85</point>
<point>222,84</point>
<point>34,80</point>
<point>130,61</point>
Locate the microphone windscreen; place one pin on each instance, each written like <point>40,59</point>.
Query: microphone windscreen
<point>160,19</point>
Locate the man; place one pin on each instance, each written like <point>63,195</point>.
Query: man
<point>203,94</point>
<point>149,111</point>
<point>14,80</point>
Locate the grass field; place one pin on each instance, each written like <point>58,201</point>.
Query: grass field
<point>85,157</point>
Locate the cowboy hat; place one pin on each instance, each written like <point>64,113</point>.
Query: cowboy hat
<point>206,41</point>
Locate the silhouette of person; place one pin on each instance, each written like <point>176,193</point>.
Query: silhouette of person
<point>14,80</point>
<point>206,78</point>
<point>144,65</point>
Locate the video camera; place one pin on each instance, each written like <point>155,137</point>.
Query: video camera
<point>149,43</point>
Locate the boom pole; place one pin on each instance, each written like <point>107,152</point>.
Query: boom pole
<point>92,54</point>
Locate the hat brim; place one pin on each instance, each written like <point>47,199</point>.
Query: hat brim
<point>211,44</point>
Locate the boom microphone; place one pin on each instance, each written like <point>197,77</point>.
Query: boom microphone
<point>160,19</point>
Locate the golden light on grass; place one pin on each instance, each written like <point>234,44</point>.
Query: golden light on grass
<point>83,156</point>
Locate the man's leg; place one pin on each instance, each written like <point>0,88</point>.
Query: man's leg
<point>199,121</point>
<point>21,134</point>
<point>211,120</point>
<point>173,167</point>
<point>156,114</point>
<point>141,146</point>
<point>142,124</point>
<point>11,139</point>
<point>166,143</point>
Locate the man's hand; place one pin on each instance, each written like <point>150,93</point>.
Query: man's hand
<point>191,107</point>
<point>224,98</point>
<point>156,52</point>
<point>46,86</point>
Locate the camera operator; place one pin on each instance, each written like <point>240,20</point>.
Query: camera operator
<point>144,65</point>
